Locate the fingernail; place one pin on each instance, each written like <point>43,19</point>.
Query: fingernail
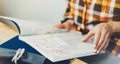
<point>98,51</point>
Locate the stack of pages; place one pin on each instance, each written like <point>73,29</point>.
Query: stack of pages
<point>6,32</point>
<point>54,44</point>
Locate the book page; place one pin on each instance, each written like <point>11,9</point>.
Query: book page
<point>60,46</point>
<point>27,27</point>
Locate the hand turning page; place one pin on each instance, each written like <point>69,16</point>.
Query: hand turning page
<point>59,46</point>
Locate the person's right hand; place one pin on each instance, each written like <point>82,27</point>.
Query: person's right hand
<point>66,25</point>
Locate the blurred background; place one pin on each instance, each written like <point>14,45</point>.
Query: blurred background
<point>38,10</point>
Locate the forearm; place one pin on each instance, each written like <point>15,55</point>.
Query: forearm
<point>115,26</point>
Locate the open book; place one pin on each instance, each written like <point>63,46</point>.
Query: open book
<point>54,44</point>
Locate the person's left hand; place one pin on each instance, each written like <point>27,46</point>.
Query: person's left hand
<point>102,33</point>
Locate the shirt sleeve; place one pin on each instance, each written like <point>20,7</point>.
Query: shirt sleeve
<point>69,14</point>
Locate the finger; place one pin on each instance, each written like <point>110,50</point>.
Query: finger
<point>96,38</point>
<point>106,41</point>
<point>59,26</point>
<point>102,39</point>
<point>88,36</point>
<point>106,45</point>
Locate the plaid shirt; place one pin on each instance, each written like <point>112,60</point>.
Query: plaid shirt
<point>86,13</point>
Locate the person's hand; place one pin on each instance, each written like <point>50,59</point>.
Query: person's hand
<point>102,33</point>
<point>66,25</point>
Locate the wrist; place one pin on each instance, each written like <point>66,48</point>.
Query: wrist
<point>112,26</point>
